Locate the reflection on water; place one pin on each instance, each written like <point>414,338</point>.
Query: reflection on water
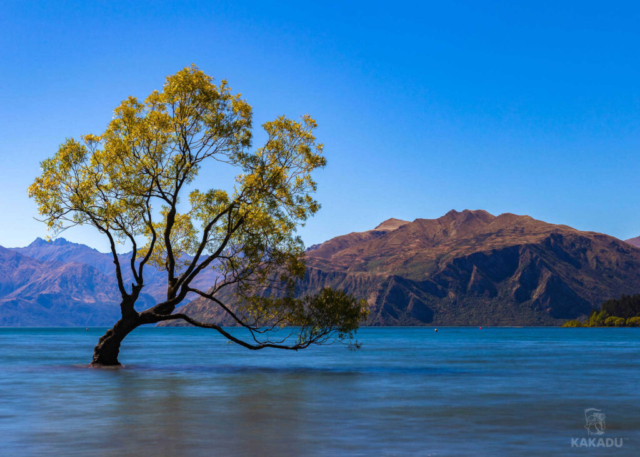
<point>409,391</point>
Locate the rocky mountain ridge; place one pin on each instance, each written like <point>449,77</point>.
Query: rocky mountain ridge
<point>464,268</point>
<point>469,268</point>
<point>52,293</point>
<point>60,283</point>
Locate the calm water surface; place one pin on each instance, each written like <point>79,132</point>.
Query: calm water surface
<point>408,391</point>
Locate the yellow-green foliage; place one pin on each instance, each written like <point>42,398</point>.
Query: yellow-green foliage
<point>633,321</point>
<point>128,180</point>
<point>573,323</point>
<point>610,321</point>
<point>602,319</point>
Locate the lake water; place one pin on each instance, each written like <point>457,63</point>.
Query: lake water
<point>408,391</point>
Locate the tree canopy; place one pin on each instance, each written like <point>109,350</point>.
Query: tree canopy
<point>128,183</point>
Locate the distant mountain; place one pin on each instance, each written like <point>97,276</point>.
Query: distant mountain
<point>65,251</point>
<point>465,268</point>
<point>51,293</point>
<point>60,283</point>
<point>469,268</point>
<point>634,241</point>
<point>61,250</point>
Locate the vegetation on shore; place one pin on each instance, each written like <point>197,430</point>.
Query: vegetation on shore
<point>623,312</point>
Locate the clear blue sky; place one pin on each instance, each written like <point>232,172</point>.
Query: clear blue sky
<point>523,107</point>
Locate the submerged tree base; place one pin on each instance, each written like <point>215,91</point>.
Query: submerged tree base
<point>105,354</point>
<point>107,367</point>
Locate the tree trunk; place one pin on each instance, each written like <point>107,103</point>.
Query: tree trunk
<point>105,354</point>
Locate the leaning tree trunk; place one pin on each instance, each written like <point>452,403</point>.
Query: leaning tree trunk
<point>105,354</point>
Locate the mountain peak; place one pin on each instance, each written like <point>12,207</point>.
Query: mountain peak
<point>468,213</point>
<point>56,242</point>
<point>634,241</point>
<point>469,268</point>
<point>391,224</point>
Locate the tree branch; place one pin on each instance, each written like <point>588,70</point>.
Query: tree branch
<point>253,347</point>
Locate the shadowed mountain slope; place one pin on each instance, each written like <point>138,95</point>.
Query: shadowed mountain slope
<point>64,251</point>
<point>60,283</point>
<point>469,268</point>
<point>51,293</point>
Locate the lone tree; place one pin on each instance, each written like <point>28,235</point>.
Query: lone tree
<point>127,183</point>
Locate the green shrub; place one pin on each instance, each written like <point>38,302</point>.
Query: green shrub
<point>573,323</point>
<point>619,322</point>
<point>597,319</point>
<point>633,321</point>
<point>610,321</point>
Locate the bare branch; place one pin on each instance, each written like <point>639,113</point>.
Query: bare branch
<point>254,347</point>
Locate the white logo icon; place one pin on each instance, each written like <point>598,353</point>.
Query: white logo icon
<point>595,424</point>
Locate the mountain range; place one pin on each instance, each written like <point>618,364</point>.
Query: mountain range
<point>468,268</point>
<point>464,268</point>
<point>60,283</point>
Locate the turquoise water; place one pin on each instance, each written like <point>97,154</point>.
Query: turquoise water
<point>408,391</point>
